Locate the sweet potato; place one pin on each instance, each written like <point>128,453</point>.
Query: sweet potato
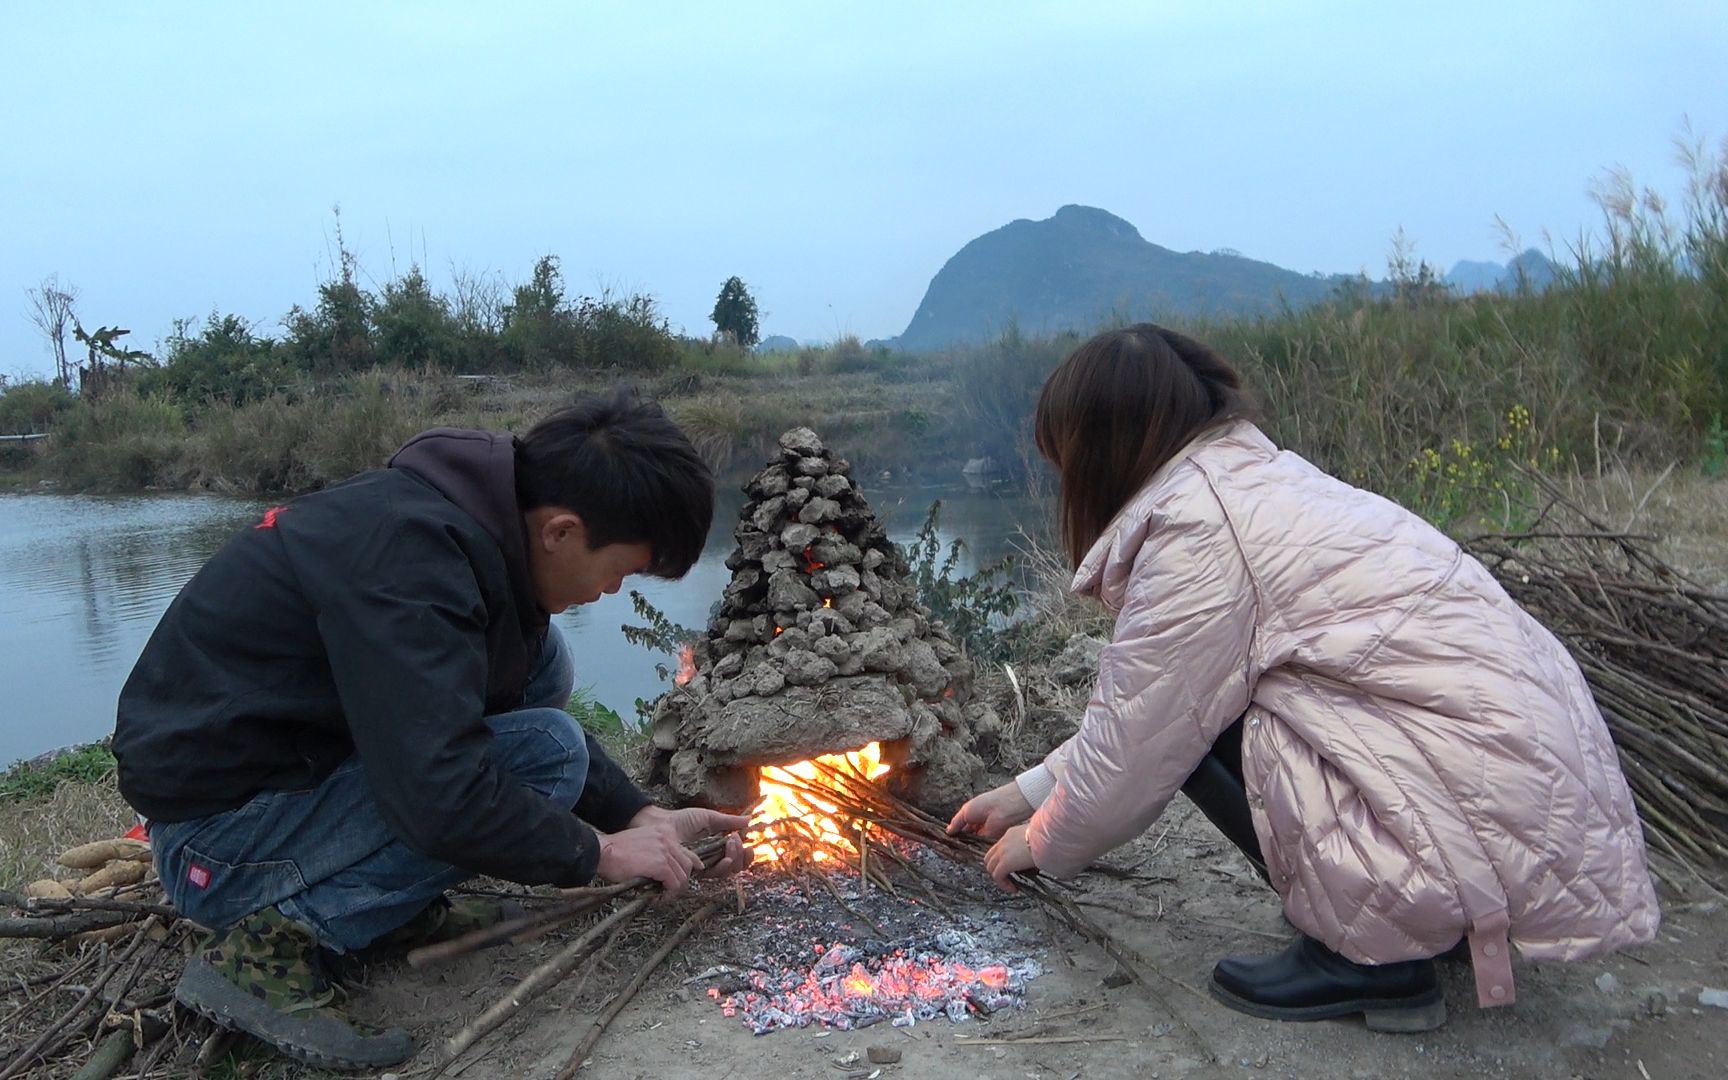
<point>116,873</point>
<point>102,852</point>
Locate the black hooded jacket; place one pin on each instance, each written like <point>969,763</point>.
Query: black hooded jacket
<point>384,617</point>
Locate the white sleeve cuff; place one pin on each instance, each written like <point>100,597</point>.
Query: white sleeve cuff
<point>1036,784</point>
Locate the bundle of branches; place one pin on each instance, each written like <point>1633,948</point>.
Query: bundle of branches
<point>104,995</point>
<point>1653,644</point>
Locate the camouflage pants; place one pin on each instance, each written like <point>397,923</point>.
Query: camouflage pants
<point>327,858</point>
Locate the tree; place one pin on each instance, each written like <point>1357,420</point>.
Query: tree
<point>735,313</point>
<point>51,311</point>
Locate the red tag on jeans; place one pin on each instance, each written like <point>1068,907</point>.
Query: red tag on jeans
<point>199,876</point>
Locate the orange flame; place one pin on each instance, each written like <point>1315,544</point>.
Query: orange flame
<point>799,820</point>
<point>686,665</point>
<point>828,601</point>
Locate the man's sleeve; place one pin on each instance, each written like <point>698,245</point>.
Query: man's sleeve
<point>609,797</point>
<point>404,625</point>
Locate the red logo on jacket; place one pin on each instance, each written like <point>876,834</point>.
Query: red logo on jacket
<point>270,515</point>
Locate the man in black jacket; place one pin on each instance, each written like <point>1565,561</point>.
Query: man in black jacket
<point>359,701</point>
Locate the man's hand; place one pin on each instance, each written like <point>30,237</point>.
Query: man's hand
<point>650,853</point>
<point>692,824</point>
<point>993,813</point>
<point>1010,855</point>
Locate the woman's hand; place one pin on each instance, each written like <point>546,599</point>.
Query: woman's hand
<point>1010,855</point>
<point>993,813</point>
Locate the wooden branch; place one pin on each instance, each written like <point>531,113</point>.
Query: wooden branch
<point>536,982</point>
<point>623,997</point>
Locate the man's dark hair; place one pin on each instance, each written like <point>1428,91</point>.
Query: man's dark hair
<point>627,470</point>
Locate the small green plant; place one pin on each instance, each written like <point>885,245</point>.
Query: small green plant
<point>974,608</point>
<point>85,765</point>
<point>1715,458</point>
<point>660,635</point>
<point>595,718</point>
<point>1460,481</point>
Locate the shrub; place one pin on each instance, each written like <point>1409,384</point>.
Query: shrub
<point>29,407</point>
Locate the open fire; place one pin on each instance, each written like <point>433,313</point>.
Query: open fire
<point>797,822</point>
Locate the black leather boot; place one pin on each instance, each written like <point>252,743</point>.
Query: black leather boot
<point>1308,981</point>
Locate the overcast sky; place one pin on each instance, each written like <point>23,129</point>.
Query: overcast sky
<point>172,159</point>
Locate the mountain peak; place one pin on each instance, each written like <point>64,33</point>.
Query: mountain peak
<point>1081,268</point>
<point>1075,216</point>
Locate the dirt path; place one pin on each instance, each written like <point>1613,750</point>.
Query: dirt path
<point>1631,1015</point>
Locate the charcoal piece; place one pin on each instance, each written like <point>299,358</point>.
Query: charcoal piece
<point>737,630</point>
<point>796,498</point>
<point>728,666</point>
<point>871,584</point>
<point>873,558</point>
<point>882,1055</point>
<point>777,560</point>
<point>811,466</point>
<point>805,483</point>
<point>840,466</point>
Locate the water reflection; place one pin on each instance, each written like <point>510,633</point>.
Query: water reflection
<point>84,579</point>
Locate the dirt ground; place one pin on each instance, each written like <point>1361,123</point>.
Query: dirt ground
<point>1635,1014</point>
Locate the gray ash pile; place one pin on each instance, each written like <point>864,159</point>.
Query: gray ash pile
<point>819,645</point>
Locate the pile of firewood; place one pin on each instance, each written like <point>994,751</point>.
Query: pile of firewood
<point>1653,644</point>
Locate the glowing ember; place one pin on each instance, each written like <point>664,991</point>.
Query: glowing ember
<point>799,822</point>
<point>845,989</point>
<point>828,602</point>
<point>686,665</point>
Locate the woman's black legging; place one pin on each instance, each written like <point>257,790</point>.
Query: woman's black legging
<point>1216,787</point>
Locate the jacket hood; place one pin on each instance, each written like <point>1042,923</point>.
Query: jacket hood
<point>1108,565</point>
<point>476,470</point>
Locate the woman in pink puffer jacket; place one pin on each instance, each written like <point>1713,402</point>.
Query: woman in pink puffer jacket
<point>1408,756</point>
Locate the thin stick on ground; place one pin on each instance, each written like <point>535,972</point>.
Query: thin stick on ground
<point>533,924</point>
<point>623,997</point>
<point>46,1043</point>
<point>537,982</point>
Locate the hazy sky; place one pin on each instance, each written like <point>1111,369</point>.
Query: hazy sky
<point>171,159</point>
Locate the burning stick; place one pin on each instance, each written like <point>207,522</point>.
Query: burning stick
<point>538,981</point>
<point>622,998</point>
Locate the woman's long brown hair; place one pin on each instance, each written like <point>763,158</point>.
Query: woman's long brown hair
<point>1117,409</point>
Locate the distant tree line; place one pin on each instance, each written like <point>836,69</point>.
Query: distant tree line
<point>479,327</point>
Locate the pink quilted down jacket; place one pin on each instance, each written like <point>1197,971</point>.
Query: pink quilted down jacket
<point>1423,759</point>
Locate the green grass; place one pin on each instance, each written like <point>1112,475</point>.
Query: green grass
<point>26,782</point>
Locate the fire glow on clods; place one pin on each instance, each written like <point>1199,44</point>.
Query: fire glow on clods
<point>845,988</point>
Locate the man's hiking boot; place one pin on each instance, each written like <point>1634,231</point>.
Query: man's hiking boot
<point>441,920</point>
<point>445,919</point>
<point>1308,981</point>
<point>264,976</point>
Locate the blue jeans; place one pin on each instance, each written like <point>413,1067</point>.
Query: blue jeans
<point>324,856</point>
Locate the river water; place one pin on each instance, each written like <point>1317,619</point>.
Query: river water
<point>84,579</point>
